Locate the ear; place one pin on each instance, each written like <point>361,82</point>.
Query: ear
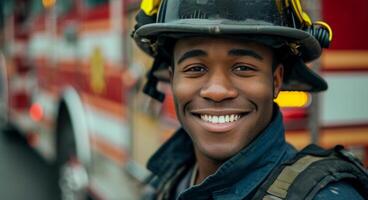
<point>278,76</point>
<point>171,73</point>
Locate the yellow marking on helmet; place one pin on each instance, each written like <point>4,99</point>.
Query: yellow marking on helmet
<point>328,27</point>
<point>302,16</point>
<point>150,7</point>
<point>306,19</point>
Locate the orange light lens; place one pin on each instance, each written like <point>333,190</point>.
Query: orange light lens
<point>36,112</point>
<point>293,99</point>
<point>48,3</point>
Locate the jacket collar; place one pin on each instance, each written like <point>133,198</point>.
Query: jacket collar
<point>238,176</point>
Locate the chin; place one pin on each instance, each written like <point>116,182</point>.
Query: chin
<point>219,152</point>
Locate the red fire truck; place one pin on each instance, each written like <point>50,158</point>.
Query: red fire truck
<point>70,80</point>
<point>71,84</point>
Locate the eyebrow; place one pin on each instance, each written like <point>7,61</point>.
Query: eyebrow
<point>232,52</point>
<point>191,54</point>
<point>245,52</point>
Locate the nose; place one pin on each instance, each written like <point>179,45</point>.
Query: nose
<point>219,87</point>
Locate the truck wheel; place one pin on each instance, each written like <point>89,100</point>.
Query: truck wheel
<point>72,175</point>
<point>5,126</point>
<point>4,109</point>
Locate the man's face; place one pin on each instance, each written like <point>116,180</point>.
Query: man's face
<point>223,91</point>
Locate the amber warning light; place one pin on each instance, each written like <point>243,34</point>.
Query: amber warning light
<point>293,99</point>
<point>48,3</point>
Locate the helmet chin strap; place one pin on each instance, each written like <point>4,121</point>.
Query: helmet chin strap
<point>150,88</point>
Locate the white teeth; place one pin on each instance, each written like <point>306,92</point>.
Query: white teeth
<point>220,119</point>
<point>231,118</point>
<point>215,119</point>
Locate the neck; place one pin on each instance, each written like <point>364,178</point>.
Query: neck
<point>205,166</point>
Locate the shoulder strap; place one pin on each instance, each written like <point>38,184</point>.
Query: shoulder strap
<point>310,171</point>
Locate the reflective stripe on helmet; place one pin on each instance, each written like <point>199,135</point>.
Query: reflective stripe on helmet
<point>150,7</point>
<point>300,14</point>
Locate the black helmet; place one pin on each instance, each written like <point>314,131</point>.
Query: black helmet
<point>279,24</point>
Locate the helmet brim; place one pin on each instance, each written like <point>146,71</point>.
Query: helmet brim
<point>308,45</point>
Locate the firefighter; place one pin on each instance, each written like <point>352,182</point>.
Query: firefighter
<point>228,60</point>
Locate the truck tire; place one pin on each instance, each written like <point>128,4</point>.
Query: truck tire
<point>71,174</point>
<point>4,109</point>
<point>5,126</point>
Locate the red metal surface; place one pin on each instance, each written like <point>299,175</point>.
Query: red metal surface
<point>57,77</point>
<point>348,20</point>
<point>96,13</point>
<point>19,100</point>
<point>345,70</point>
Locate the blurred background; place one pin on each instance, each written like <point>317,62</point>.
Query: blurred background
<point>76,125</point>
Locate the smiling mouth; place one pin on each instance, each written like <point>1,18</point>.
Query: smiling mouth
<point>218,122</point>
<point>220,119</point>
<point>222,116</point>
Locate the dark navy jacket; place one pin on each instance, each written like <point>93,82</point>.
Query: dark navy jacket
<point>237,178</point>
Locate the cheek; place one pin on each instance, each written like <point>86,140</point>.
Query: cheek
<point>263,93</point>
<point>183,92</point>
<point>180,90</point>
<point>259,91</point>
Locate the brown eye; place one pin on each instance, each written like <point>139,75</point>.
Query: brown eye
<point>195,70</point>
<point>243,68</point>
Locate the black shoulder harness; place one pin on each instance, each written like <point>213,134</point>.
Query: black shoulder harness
<point>310,171</point>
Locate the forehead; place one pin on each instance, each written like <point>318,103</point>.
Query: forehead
<point>223,44</point>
